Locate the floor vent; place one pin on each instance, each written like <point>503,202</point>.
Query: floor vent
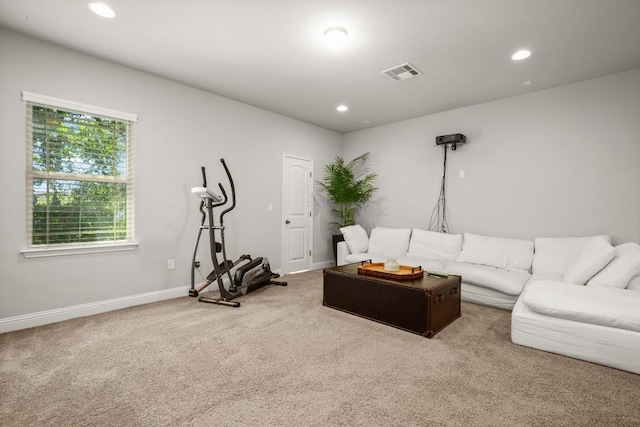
<point>402,72</point>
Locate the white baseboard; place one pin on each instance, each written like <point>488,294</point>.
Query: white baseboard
<point>324,264</point>
<point>57,315</point>
<point>40,318</point>
<point>314,266</point>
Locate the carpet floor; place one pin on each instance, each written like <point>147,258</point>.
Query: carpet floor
<point>283,359</point>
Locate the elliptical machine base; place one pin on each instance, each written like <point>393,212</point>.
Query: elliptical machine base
<point>248,278</point>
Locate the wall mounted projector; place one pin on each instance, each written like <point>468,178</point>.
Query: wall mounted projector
<point>453,139</point>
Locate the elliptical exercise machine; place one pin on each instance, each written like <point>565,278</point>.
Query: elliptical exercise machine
<point>252,275</point>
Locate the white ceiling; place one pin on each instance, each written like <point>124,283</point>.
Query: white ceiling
<point>269,53</point>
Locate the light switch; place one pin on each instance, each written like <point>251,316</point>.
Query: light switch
<point>461,173</point>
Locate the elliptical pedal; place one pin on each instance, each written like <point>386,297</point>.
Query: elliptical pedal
<point>225,266</point>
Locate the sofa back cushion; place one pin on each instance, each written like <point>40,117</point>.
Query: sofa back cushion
<point>634,285</point>
<point>553,254</point>
<point>621,270</point>
<point>509,254</point>
<point>434,245</point>
<point>356,238</point>
<point>390,242</point>
<point>592,258</point>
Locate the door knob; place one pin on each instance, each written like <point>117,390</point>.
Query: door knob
<point>287,222</point>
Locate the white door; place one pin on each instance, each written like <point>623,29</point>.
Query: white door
<point>297,212</point>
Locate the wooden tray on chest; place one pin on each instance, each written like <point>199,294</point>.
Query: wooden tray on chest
<point>376,269</point>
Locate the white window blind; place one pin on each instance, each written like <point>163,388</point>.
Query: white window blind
<point>79,173</point>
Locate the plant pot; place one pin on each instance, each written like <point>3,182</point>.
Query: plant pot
<point>336,238</point>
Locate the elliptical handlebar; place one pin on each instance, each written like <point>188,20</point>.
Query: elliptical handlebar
<point>224,196</point>
<point>205,193</point>
<point>204,176</point>
<point>233,192</point>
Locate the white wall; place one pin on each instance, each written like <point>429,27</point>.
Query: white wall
<point>179,130</point>
<point>559,162</point>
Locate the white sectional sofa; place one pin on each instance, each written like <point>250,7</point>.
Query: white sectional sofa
<point>576,296</point>
<point>583,301</point>
<point>494,270</point>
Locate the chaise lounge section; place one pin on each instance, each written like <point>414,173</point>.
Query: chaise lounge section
<point>583,301</point>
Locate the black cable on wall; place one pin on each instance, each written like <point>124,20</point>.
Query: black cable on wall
<point>438,220</point>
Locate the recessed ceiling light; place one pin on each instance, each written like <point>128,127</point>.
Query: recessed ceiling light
<point>102,9</point>
<point>335,38</point>
<point>342,108</point>
<point>520,55</point>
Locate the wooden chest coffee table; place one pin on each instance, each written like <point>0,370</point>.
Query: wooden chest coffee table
<point>423,306</point>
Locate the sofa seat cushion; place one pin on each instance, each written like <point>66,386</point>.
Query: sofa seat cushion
<point>506,281</point>
<point>433,245</point>
<point>508,254</point>
<point>365,256</point>
<point>605,306</point>
<point>432,265</point>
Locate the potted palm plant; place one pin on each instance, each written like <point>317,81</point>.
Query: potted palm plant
<point>348,186</point>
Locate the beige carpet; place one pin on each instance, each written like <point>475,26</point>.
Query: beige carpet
<point>282,359</point>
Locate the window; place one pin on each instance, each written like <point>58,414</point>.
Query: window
<point>79,174</point>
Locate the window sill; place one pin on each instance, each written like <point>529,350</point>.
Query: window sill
<point>49,251</point>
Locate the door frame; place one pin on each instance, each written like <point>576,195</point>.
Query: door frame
<point>282,209</point>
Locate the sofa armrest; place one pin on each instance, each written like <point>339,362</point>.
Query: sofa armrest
<point>342,252</point>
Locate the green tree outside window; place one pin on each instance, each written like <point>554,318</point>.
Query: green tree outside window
<point>79,178</point>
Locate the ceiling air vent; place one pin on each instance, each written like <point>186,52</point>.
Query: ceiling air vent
<point>402,72</point>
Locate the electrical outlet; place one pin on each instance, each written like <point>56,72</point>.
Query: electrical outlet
<point>171,264</point>
<point>197,261</point>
